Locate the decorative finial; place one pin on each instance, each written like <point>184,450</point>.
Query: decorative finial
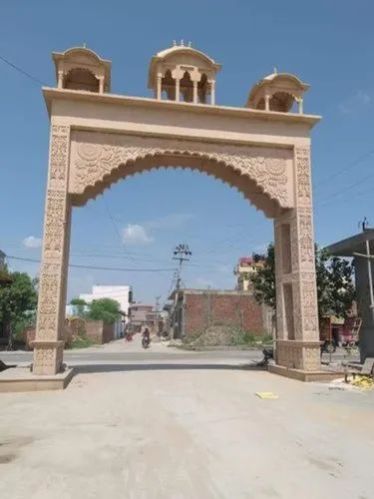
<point>174,43</point>
<point>275,71</point>
<point>182,43</point>
<point>84,45</point>
<point>190,44</point>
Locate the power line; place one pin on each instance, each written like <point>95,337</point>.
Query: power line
<point>23,72</point>
<point>92,267</point>
<point>332,197</point>
<point>346,168</point>
<point>118,232</point>
<point>344,200</point>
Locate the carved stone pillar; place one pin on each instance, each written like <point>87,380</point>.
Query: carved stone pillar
<point>297,344</point>
<point>49,344</point>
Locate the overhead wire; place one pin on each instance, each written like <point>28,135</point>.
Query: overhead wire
<point>331,198</point>
<point>22,71</point>
<point>344,169</point>
<point>93,267</point>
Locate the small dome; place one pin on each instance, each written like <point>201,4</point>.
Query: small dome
<point>183,73</point>
<point>80,68</point>
<point>186,51</point>
<point>277,92</point>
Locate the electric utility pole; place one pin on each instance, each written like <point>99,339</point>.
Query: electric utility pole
<point>157,314</point>
<point>182,254</point>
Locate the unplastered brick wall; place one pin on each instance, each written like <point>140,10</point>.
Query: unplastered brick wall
<point>99,332</point>
<point>236,309</point>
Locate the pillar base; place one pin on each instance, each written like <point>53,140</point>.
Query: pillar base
<point>48,357</point>
<point>295,354</point>
<point>20,379</point>
<point>301,375</point>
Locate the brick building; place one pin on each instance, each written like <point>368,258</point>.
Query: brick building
<point>195,310</point>
<point>247,266</point>
<point>144,316</point>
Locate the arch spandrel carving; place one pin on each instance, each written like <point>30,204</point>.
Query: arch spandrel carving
<point>99,159</point>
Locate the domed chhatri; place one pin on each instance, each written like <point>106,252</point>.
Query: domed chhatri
<point>80,68</point>
<point>277,92</point>
<point>182,73</point>
<point>179,73</point>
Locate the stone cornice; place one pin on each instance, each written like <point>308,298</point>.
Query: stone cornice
<point>51,94</point>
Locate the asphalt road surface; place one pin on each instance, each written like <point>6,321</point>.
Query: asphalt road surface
<point>120,351</point>
<point>187,428</point>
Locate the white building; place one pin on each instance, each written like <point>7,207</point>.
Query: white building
<point>122,294</point>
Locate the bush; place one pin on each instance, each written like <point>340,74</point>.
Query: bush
<point>81,342</point>
<point>243,338</point>
<point>224,336</point>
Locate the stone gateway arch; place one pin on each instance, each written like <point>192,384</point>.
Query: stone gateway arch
<point>262,149</point>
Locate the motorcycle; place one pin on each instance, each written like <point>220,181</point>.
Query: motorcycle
<point>145,342</point>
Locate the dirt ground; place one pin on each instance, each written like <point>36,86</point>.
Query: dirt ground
<point>137,433</point>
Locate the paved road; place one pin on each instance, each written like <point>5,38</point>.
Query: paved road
<point>146,356</point>
<point>186,433</point>
<point>121,352</point>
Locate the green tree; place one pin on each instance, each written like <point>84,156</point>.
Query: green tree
<point>335,288</point>
<point>264,279</point>
<point>18,302</point>
<point>80,306</point>
<point>104,309</point>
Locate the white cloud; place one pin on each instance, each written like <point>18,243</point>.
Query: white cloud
<point>357,101</point>
<point>135,234</point>
<point>32,242</point>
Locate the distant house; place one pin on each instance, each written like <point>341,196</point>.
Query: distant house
<point>120,293</point>
<point>141,316</point>
<point>246,266</point>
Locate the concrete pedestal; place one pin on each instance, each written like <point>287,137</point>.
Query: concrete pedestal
<point>21,379</point>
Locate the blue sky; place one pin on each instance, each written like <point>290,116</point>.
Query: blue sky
<point>137,223</point>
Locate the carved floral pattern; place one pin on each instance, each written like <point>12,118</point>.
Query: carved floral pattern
<point>309,303</point>
<point>93,161</point>
<point>54,223</point>
<point>303,175</point>
<point>52,272</point>
<point>47,358</point>
<point>58,156</point>
<point>305,236</point>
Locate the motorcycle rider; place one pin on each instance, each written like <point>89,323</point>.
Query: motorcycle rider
<point>146,336</point>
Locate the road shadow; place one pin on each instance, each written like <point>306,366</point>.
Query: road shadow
<point>107,368</point>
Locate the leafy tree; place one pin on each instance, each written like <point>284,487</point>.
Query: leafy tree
<point>264,279</point>
<point>80,306</point>
<point>18,302</point>
<point>335,288</point>
<point>104,309</point>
